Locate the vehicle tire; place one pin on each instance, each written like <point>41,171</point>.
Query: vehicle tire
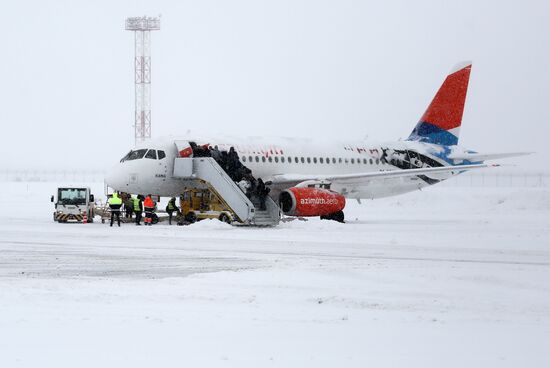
<point>191,217</point>
<point>338,216</point>
<point>224,218</point>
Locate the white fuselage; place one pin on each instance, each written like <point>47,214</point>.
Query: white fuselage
<point>268,158</point>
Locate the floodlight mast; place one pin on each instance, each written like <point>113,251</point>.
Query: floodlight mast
<point>142,27</point>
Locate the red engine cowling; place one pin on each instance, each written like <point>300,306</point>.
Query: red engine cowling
<point>309,202</point>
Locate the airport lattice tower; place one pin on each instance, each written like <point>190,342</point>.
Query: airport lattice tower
<point>142,27</point>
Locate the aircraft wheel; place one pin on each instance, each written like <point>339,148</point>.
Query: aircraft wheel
<point>338,216</point>
<point>191,217</point>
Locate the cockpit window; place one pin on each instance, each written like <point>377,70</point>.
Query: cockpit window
<point>161,154</point>
<point>136,155</point>
<point>152,154</point>
<point>126,157</point>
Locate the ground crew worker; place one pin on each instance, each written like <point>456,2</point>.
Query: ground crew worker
<point>149,207</point>
<point>171,207</point>
<point>138,208</point>
<point>115,202</point>
<point>128,205</point>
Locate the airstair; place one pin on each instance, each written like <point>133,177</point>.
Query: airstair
<point>205,171</point>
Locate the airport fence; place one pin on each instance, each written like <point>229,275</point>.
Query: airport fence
<point>496,179</point>
<point>77,176</point>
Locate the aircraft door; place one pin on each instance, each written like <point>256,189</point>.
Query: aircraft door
<point>184,149</point>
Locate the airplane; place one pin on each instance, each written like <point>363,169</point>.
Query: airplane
<point>313,178</point>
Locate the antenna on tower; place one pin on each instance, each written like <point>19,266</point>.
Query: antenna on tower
<point>142,27</point>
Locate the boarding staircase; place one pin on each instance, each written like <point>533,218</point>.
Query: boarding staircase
<point>206,170</point>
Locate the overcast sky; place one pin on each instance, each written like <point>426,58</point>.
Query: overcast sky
<point>343,69</point>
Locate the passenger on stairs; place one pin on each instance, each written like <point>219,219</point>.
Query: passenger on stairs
<point>233,164</point>
<point>252,187</point>
<point>262,191</point>
<point>244,185</point>
<point>215,153</point>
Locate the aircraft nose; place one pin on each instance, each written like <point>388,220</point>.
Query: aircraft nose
<point>114,178</point>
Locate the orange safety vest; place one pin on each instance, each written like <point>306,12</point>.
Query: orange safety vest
<point>148,203</point>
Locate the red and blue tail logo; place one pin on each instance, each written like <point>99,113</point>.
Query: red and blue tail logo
<point>441,122</point>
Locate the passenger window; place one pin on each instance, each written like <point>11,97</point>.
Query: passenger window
<point>289,159</point>
<point>333,160</point>
<point>302,159</point>
<point>346,160</point>
<point>249,158</point>
<point>296,159</point>
<point>314,160</point>
<point>270,159</point>
<point>263,158</point>
<point>365,161</point>
<point>276,159</point>
<point>328,160</point>
<point>377,161</point>
<point>152,154</point>
<point>321,160</point>
<point>161,154</point>
<point>283,159</point>
<point>257,159</point>
<point>243,158</point>
<point>370,161</point>
<point>340,160</point>
<point>308,160</point>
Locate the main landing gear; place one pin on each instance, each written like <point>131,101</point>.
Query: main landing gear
<point>336,216</point>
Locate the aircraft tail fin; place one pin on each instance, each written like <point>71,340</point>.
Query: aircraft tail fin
<point>441,122</point>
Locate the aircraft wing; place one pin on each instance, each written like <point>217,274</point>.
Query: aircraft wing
<point>377,175</point>
<point>485,156</point>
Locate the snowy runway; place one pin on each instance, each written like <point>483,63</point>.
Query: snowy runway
<point>448,276</point>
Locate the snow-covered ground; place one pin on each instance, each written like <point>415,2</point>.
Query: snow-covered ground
<point>447,277</point>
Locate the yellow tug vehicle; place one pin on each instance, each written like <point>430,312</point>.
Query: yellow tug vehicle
<point>200,204</point>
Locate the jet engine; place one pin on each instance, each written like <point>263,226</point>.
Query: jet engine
<point>309,202</point>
